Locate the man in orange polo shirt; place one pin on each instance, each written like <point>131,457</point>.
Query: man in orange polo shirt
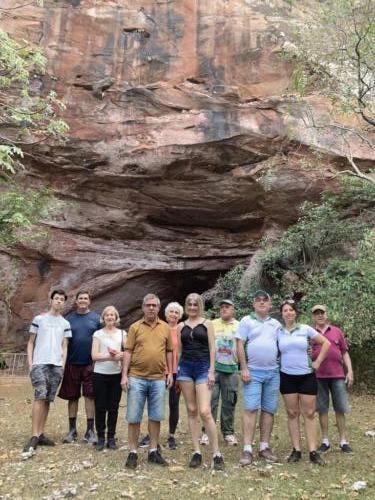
<point>148,347</point>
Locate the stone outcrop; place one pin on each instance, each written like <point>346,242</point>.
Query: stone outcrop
<point>184,148</point>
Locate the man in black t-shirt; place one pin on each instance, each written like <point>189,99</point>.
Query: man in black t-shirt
<point>79,366</point>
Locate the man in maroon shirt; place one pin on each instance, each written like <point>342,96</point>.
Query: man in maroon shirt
<point>332,378</point>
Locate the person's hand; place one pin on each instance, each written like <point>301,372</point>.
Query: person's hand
<point>211,379</point>
<point>349,379</point>
<point>118,356</point>
<point>177,387</point>
<point>125,383</point>
<point>315,365</point>
<point>169,380</point>
<point>245,376</point>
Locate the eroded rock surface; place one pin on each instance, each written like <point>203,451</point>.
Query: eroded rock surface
<point>184,148</point>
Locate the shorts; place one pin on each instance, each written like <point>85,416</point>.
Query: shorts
<point>75,378</point>
<point>339,394</point>
<point>139,391</point>
<point>46,379</point>
<point>262,393</point>
<point>298,384</point>
<point>193,371</point>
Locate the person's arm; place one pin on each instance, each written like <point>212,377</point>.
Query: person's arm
<point>64,350</point>
<point>170,369</point>
<point>95,354</point>
<point>245,374</point>
<point>125,368</point>
<point>326,344</point>
<point>30,350</point>
<point>349,379</point>
<point>211,346</point>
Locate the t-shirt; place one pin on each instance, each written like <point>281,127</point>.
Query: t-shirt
<point>293,348</point>
<point>149,345</point>
<point>113,340</point>
<point>174,338</point>
<point>50,331</point>
<point>260,337</point>
<point>194,343</point>
<point>83,326</point>
<point>225,345</point>
<point>332,366</point>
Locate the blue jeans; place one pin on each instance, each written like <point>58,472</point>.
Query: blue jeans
<point>263,391</point>
<point>193,371</point>
<point>140,390</point>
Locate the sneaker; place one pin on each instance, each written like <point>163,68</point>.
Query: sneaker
<point>70,437</point>
<point>132,460</point>
<point>204,440</point>
<point>155,458</point>
<point>218,462</point>
<point>268,455</point>
<point>345,448</point>
<point>294,457</point>
<point>171,443</point>
<point>111,444</point>
<point>231,440</point>
<point>144,442</point>
<point>90,437</point>
<point>323,448</point>
<point>100,444</point>
<point>246,458</point>
<point>195,461</point>
<point>316,459</point>
<point>43,440</point>
<point>30,447</point>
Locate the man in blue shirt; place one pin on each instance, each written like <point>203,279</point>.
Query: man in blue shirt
<point>79,366</point>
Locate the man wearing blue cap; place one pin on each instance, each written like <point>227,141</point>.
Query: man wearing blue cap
<point>257,335</point>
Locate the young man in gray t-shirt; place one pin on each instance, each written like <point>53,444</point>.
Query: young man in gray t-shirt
<point>46,355</point>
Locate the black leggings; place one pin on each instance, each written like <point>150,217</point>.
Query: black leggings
<point>107,393</point>
<point>174,402</point>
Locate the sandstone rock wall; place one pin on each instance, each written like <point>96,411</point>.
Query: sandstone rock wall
<point>184,148</point>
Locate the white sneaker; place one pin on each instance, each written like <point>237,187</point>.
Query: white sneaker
<point>231,440</point>
<point>204,440</point>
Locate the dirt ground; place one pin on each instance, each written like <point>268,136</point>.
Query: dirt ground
<point>78,470</point>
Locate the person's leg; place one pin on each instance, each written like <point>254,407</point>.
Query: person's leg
<point>307,404</point>
<point>133,436</point>
<point>88,394</point>
<point>39,416</point>
<point>188,391</point>
<point>154,432</point>
<point>293,412</point>
<point>215,395</point>
<point>323,421</point>
<point>229,383</point>
<point>137,393</point>
<point>249,425</point>
<point>341,406</point>
<point>322,407</point>
<point>100,388</point>
<point>114,395</point>
<point>252,395</point>
<point>156,410</point>
<point>203,396</point>
<point>174,404</point>
<point>73,409</point>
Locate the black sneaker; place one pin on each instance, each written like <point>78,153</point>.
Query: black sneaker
<point>218,462</point>
<point>111,444</point>
<point>154,457</point>
<point>100,444</point>
<point>70,437</point>
<point>132,460</point>
<point>323,448</point>
<point>30,447</point>
<point>345,448</point>
<point>316,459</point>
<point>144,442</point>
<point>171,443</point>
<point>43,440</point>
<point>294,457</point>
<point>195,461</point>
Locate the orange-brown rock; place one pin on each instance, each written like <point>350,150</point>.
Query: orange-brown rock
<point>184,148</point>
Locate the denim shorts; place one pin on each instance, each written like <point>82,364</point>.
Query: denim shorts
<point>339,393</point>
<point>46,379</point>
<point>263,391</point>
<point>139,391</point>
<point>193,371</point>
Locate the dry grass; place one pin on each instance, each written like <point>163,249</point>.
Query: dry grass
<point>68,470</point>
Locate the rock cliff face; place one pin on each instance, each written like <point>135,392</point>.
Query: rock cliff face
<point>185,148</point>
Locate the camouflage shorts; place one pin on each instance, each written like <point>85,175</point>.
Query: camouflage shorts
<point>46,379</point>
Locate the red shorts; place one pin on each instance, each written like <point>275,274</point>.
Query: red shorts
<point>75,378</point>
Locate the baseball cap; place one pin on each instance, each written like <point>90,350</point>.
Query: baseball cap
<point>226,301</point>
<point>319,307</point>
<point>261,293</point>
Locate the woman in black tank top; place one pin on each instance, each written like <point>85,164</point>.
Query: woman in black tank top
<point>196,376</point>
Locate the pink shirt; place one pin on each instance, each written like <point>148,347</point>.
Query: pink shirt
<point>332,366</point>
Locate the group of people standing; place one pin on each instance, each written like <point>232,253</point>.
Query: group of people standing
<point>201,358</point>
